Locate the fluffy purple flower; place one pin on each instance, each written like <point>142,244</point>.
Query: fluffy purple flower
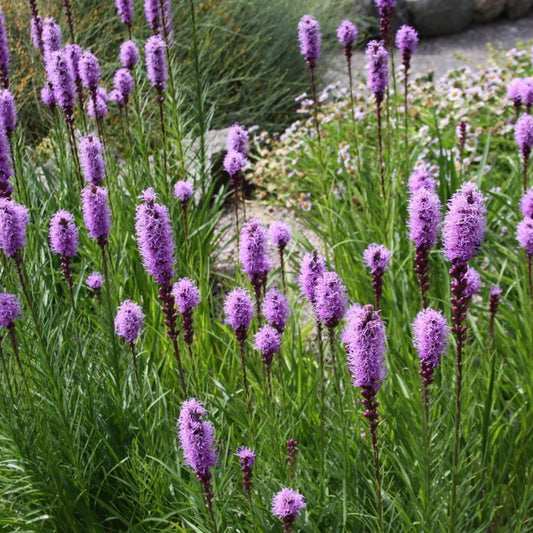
<point>268,341</point>
<point>464,224</point>
<point>197,437</point>
<point>238,139</point>
<point>62,79</point>
<point>13,221</point>
<point>92,159</point>
<point>125,10</point>
<point>129,54</point>
<point>47,95</point>
<point>472,280</point>
<point>9,309</point>
<point>424,218</point>
<point>5,58</point>
<point>526,204</point>
<point>523,133</point>
<point>186,294</point>
<point>377,68</point>
<point>156,62</point>
<point>347,33</point>
<point>155,238</point>
<point>330,299</point>
<point>129,320</point>
<point>310,39</point>
<point>5,169</point>
<point>98,109</point>
<point>514,91</point>
<point>377,258</point>
<point>279,234</point>
<point>430,331</point>
<point>96,213</point>
<point>421,179</point>
<point>36,30</point>
<point>527,91</point>
<point>287,504</point>
<point>311,269</point>
<point>152,13</point>
<point>524,235</point>
<point>239,311</point>
<point>123,82</point>
<point>63,234</point>
<point>364,338</point>
<point>253,251</point>
<point>183,191</point>
<point>247,460</point>
<point>407,40</point>
<point>89,70</point>
<point>8,111</point>
<point>116,96</point>
<point>73,53</point>
<point>276,309</point>
<point>234,162</point>
<point>94,281</point>
<point>51,36</point>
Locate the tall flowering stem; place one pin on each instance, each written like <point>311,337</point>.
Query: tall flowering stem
<point>523,134</point>
<point>128,323</point>
<point>237,141</point>
<point>5,58</point>
<point>377,259</point>
<point>286,505</point>
<point>10,310</point>
<point>234,163</point>
<point>290,459</point>
<point>68,13</point>
<point>279,235</point>
<point>247,460</point>
<point>184,191</point>
<point>268,342</point>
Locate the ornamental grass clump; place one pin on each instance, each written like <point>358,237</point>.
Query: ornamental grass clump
<point>279,234</point>
<point>287,504</point>
<point>10,310</point>
<point>129,321</point>
<point>377,258</point>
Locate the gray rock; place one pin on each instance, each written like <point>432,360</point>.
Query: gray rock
<point>488,10</point>
<point>517,8</point>
<point>439,17</point>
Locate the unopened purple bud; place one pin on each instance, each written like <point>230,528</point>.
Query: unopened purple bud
<point>253,251</point>
<point>311,269</point>
<point>310,39</point>
<point>10,309</point>
<point>234,162</point>
<point>330,299</point>
<point>472,279</point>
<point>13,221</point>
<point>8,111</point>
<point>96,213</point>
<point>407,40</point>
<point>377,258</point>
<point>100,109</point>
<point>129,320</point>
<point>527,91</point>
<point>239,311</point>
<point>464,224</point>
<point>377,68</point>
<point>125,10</point>
<point>287,504</point>
<point>92,159</point>
<point>123,82</point>
<point>268,341</point>
<point>89,70</point>
<point>514,91</point>
<point>129,54</point>
<point>279,234</point>
<point>276,309</point>
<point>63,234</point>
<point>347,33</point>
<point>238,139</point>
<point>526,204</point>
<point>183,191</point>
<point>62,79</point>
<point>424,218</point>
<point>421,179</point>
<point>156,62</point>
<point>430,331</point>
<point>186,294</point>
<point>51,36</point>
<point>524,235</point>
<point>94,281</point>
<point>523,133</point>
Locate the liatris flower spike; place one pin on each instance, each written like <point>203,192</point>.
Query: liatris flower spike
<point>290,459</point>
<point>96,213</point>
<point>526,204</point>
<point>129,54</point>
<point>123,82</point>
<point>10,310</point>
<point>286,505</point>
<point>197,440</point>
<point>89,72</point>
<point>13,221</point>
<point>97,107</point>
<point>5,58</point>
<point>276,309</point>
<point>523,135</point>
<point>94,281</point>
<point>310,40</point>
<point>406,41</point>
<point>5,169</point>
<point>527,93</point>
<point>238,139</point>
<point>494,302</point>
<point>184,191</point>
<point>234,163</point>
<point>48,96</point>
<point>8,112</point>
<point>36,30</point>
<point>156,63</point>
<point>524,235</point>
<point>279,235</point>
<point>129,321</point>
<point>514,93</point>
<point>92,159</point>
<point>187,297</point>
<point>64,242</point>
<point>377,258</point>
<point>347,33</point>
<point>331,299</point>
<point>268,341</point>
<point>125,10</point>
<point>51,36</point>
<point>312,267</point>
<point>473,282</point>
<point>61,77</point>
<point>247,460</point>
<point>421,179</point>
<point>386,8</point>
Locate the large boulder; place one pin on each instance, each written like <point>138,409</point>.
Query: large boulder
<point>517,8</point>
<point>438,17</point>
<point>488,10</point>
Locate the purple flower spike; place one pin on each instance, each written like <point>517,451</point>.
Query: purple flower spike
<point>377,69</point>
<point>96,213</point>
<point>123,82</point>
<point>13,221</point>
<point>406,41</point>
<point>422,179</point>
<point>5,169</point>
<point>268,341</point>
<point>125,10</point>
<point>36,30</point>
<point>464,224</point>
<point>89,70</point>
<point>514,92</point>
<point>63,234</point>
<point>97,106</point>
<point>239,311</point>
<point>276,309</point>
<point>385,4</point>
<point>51,36</point>
<point>424,218</point>
<point>152,13</point>
<point>8,112</point>
<point>73,53</point>
<point>472,281</point>
<point>156,62</point>
<point>526,204</point>
<point>155,238</point>
<point>10,309</point>
<point>524,235</point>
<point>61,76</point>
<point>247,460</point>
<point>279,234</point>
<point>234,162</point>
<point>311,269</point>
<point>377,258</point>
<point>94,281</point>
<point>253,252</point>
<point>238,139</point>
<point>523,134</point>
<point>187,297</point>
<point>5,58</point>
<point>347,33</point>
<point>92,159</point>
<point>183,191</point>
<point>47,95</point>
<point>116,96</point>
<point>286,505</point>
<point>129,321</point>
<point>331,299</point>
<point>527,92</point>
<point>129,54</point>
<point>364,338</point>
<point>310,39</point>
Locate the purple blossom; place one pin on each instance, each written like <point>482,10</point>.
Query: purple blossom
<point>239,311</point>
<point>129,54</point>
<point>364,338</point>
<point>527,91</point>
<point>234,162</point>
<point>464,224</point>
<point>96,213</point>
<point>514,91</point>
<point>125,10</point>
<point>472,279</point>
<point>123,82</point>
<point>524,235</point>
<point>424,218</point>
<point>8,111</point>
<point>523,133</point>
<point>73,53</point>
<point>310,39</point>
<point>253,251</point>
<point>183,191</point>
<point>155,238</point>
<point>13,221</point>
<point>63,234</point>
<point>94,281</point>
<point>152,13</point>
<point>407,40</point>
<point>331,299</point>
<point>47,95</point>
<point>5,169</point>
<point>10,309</point>
<point>129,320</point>
<point>421,179</point>
<point>268,341</point>
<point>92,159</point>
<point>238,139</point>
<point>116,96</point>
<point>311,269</point>
<point>526,204</point>
<point>156,62</point>
<point>89,70</point>
<point>247,460</point>
<point>496,291</point>
<point>5,58</point>
<point>347,33</point>
<point>279,234</point>
<point>36,30</point>
<point>430,331</point>
<point>377,68</point>
<point>287,504</point>
<point>276,309</point>
<point>61,77</point>
<point>197,437</point>
<point>377,258</point>
<point>51,36</point>
<point>186,294</point>
<point>98,109</point>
